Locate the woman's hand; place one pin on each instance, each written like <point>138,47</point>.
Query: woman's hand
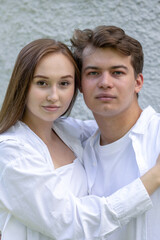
<point>151,179</point>
<point>158,160</point>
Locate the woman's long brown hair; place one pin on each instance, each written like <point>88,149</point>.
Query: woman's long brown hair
<point>13,105</point>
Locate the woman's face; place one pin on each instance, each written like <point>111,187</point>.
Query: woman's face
<point>52,88</point>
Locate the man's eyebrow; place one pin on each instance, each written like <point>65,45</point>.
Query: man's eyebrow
<point>90,67</point>
<point>112,67</point>
<point>119,66</point>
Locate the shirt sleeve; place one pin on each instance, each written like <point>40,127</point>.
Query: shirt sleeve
<point>38,197</point>
<point>82,129</point>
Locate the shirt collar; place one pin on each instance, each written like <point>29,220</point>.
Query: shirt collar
<point>140,126</point>
<point>69,136</point>
<point>142,123</point>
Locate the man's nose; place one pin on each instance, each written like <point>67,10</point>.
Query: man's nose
<point>105,81</point>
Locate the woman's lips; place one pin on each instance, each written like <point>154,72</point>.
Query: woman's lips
<point>51,108</point>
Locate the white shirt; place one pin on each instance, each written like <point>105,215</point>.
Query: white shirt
<point>144,146</point>
<point>38,202</point>
<point>116,166</point>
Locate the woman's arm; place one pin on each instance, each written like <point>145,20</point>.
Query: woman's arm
<point>151,179</point>
<point>39,199</point>
<point>86,128</point>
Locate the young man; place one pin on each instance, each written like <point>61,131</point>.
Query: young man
<point>128,140</point>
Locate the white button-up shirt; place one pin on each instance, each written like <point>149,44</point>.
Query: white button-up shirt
<point>145,140</point>
<point>39,202</point>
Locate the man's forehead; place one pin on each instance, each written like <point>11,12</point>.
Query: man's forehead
<point>89,50</point>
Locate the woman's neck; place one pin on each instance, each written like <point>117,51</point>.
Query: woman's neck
<point>42,129</point>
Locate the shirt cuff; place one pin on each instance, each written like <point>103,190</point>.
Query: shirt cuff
<point>130,201</point>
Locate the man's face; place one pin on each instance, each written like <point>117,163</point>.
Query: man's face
<point>109,85</point>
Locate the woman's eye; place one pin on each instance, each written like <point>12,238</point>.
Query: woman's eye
<point>41,83</point>
<point>64,83</point>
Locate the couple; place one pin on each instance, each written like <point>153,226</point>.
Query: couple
<point>49,162</point>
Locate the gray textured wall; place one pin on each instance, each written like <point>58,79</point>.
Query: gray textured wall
<point>22,21</point>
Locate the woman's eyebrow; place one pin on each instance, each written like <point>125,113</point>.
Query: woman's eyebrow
<point>67,76</point>
<point>40,76</point>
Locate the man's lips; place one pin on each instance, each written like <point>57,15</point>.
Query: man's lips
<point>105,96</point>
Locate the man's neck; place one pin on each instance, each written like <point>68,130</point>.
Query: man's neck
<point>113,128</point>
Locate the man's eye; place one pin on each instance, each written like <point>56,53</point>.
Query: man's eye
<point>93,73</point>
<point>117,73</point>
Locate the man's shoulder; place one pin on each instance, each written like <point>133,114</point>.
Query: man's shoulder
<point>152,116</point>
<point>77,127</point>
<point>148,119</point>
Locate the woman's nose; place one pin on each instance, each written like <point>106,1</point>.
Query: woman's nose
<point>53,94</point>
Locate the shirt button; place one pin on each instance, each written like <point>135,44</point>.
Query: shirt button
<point>94,164</point>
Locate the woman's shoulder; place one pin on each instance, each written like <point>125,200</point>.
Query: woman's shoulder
<point>10,148</point>
<point>16,140</point>
<point>12,133</point>
<point>18,144</point>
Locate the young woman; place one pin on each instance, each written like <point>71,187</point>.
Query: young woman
<point>43,184</point>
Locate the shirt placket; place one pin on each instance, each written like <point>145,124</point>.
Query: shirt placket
<point>141,221</point>
<point>90,163</point>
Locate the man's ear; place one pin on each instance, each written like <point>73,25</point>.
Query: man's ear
<point>139,83</point>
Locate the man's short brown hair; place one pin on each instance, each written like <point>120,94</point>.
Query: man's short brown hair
<point>108,37</point>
